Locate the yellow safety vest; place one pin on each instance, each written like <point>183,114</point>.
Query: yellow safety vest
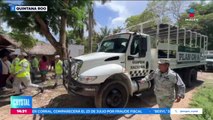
<point>13,66</point>
<point>28,67</point>
<point>35,63</point>
<point>58,67</point>
<point>19,67</point>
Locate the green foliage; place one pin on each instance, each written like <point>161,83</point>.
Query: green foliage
<point>25,21</point>
<point>117,30</point>
<point>203,99</point>
<point>145,16</point>
<point>204,14</point>
<point>27,41</point>
<point>1,30</point>
<point>105,31</point>
<point>154,10</point>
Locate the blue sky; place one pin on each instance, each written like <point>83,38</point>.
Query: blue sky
<point>114,13</point>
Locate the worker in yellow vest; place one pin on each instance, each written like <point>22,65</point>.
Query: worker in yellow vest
<point>58,70</point>
<point>13,67</point>
<point>35,64</point>
<point>22,74</point>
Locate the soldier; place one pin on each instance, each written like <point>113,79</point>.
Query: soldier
<point>165,80</point>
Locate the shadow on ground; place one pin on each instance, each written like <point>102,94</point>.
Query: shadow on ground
<point>74,101</point>
<point>147,99</point>
<point>194,85</point>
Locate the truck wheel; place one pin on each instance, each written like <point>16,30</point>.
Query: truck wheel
<point>113,94</point>
<point>194,72</point>
<point>191,77</point>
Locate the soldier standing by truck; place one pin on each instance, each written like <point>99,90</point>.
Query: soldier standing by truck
<point>165,80</point>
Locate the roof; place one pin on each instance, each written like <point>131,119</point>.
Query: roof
<point>6,41</point>
<point>42,49</point>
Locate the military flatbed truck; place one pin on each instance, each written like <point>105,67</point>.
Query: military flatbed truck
<point>111,74</point>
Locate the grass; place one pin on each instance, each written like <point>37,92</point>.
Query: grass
<point>203,99</point>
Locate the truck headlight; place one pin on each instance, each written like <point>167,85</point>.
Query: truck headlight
<point>87,78</point>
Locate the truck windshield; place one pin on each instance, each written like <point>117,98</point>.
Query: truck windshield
<point>115,44</point>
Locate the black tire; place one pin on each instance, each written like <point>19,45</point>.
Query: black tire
<point>190,76</point>
<point>194,72</point>
<point>112,94</point>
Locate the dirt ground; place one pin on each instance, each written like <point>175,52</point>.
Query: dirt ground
<point>59,98</point>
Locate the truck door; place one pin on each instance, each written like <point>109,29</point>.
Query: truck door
<point>138,56</point>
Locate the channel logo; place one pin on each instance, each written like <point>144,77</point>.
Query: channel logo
<point>191,16</point>
<point>28,8</point>
<point>21,104</point>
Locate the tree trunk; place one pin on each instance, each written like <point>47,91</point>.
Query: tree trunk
<point>90,28</point>
<point>45,30</point>
<point>63,35</point>
<point>61,46</point>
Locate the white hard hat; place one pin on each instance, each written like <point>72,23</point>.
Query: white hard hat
<point>57,56</point>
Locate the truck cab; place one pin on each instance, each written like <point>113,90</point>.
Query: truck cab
<point>108,74</point>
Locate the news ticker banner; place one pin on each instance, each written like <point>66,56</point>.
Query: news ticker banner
<point>28,8</point>
<point>23,105</point>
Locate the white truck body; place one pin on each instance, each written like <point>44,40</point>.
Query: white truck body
<point>111,74</point>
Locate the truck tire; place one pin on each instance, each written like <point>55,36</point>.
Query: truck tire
<point>190,77</point>
<point>194,72</point>
<point>112,94</point>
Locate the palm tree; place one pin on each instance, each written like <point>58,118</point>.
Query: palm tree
<point>117,30</point>
<point>105,31</point>
<point>91,21</point>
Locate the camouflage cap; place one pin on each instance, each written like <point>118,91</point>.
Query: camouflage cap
<point>163,61</point>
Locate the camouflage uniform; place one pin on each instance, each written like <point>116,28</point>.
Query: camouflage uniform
<point>164,88</point>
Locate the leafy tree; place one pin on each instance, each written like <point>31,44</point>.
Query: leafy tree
<point>159,9</point>
<point>91,21</point>
<point>61,14</point>
<point>145,16</point>
<point>175,9</point>
<point>98,37</point>
<point>204,14</point>
<point>105,31</point>
<point>26,40</point>
<point>1,30</point>
<point>117,30</point>
<point>155,10</point>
